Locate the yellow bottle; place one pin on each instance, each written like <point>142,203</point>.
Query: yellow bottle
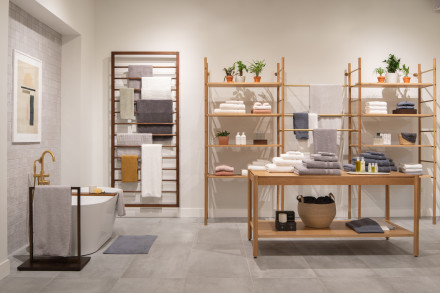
<point>358,165</point>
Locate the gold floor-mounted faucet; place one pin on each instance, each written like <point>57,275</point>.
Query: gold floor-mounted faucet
<point>42,177</point>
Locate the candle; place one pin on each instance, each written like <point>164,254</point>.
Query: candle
<point>282,218</point>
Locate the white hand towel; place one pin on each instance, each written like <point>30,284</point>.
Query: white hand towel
<point>226,106</point>
<point>313,124</point>
<point>376,103</point>
<point>292,157</point>
<point>411,166</point>
<point>376,112</point>
<point>221,111</point>
<point>257,104</point>
<point>272,168</point>
<point>376,107</point>
<point>52,220</point>
<point>151,169</point>
<point>284,162</point>
<point>234,102</point>
<point>256,168</point>
<point>262,107</point>
<point>156,88</point>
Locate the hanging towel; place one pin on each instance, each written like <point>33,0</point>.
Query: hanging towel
<point>151,169</point>
<point>313,124</point>
<point>301,121</point>
<point>156,88</point>
<point>327,99</point>
<point>126,103</point>
<point>120,205</point>
<point>155,111</point>
<point>138,71</point>
<point>324,140</point>
<point>129,168</point>
<point>52,220</point>
<point>137,139</point>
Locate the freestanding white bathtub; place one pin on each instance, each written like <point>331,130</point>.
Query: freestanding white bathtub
<point>98,214</point>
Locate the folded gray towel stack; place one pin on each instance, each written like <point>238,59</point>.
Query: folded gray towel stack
<point>405,105</point>
<point>385,164</point>
<point>320,164</point>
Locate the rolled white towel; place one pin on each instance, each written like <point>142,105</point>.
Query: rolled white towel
<point>272,168</point>
<point>262,108</point>
<point>266,104</point>
<point>257,104</point>
<point>284,162</point>
<point>225,106</point>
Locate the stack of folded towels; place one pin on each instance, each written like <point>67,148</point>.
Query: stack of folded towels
<point>405,105</point>
<point>385,164</point>
<point>285,162</point>
<point>262,108</point>
<point>413,169</point>
<point>258,165</point>
<point>323,163</point>
<point>231,106</point>
<point>376,107</point>
<point>224,170</point>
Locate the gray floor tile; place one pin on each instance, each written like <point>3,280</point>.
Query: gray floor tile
<point>219,236</point>
<point>357,285</point>
<point>309,285</point>
<point>142,285</point>
<point>218,285</point>
<point>22,285</point>
<point>335,262</point>
<point>280,267</point>
<point>75,285</point>
<point>413,284</point>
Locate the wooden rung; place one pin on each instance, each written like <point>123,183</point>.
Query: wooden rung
<point>134,78</point>
<point>120,66</point>
<point>426,130</point>
<point>140,123</point>
<point>117,101</point>
<point>425,161</point>
<point>163,157</point>
<point>138,90</point>
<point>139,191</point>
<point>352,130</point>
<point>427,101</point>
<point>164,169</point>
<point>164,180</point>
<point>326,115</point>
<point>138,146</point>
<point>118,112</point>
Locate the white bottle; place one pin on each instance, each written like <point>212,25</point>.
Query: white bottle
<point>377,168</point>
<point>238,139</point>
<point>362,165</point>
<point>243,139</point>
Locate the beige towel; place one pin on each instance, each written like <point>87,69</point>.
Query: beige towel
<point>52,220</point>
<point>126,103</point>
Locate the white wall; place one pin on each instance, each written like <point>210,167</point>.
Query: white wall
<point>4,17</point>
<point>318,39</point>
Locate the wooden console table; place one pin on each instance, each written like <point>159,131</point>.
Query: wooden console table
<point>266,229</point>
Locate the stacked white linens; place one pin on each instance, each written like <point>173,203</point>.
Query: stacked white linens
<point>285,163</point>
<point>376,107</point>
<point>413,169</point>
<point>292,155</point>
<point>231,106</point>
<point>258,165</point>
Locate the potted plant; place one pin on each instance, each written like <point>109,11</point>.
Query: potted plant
<point>393,65</point>
<point>223,137</point>
<point>230,71</point>
<point>406,78</point>
<point>380,71</point>
<point>240,68</point>
<point>256,67</point>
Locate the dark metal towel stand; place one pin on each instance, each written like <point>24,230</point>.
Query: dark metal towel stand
<point>57,263</point>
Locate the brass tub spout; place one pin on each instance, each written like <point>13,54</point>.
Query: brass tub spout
<point>42,176</point>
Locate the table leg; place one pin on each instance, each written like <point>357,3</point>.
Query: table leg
<point>416,215</point>
<point>255,216</point>
<point>349,201</point>
<point>249,208</point>
<point>387,205</point>
<point>359,201</point>
<point>282,197</point>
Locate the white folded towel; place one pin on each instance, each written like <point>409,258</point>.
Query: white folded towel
<point>220,111</point>
<point>262,107</point>
<point>411,166</point>
<point>272,168</point>
<point>266,104</point>
<point>257,104</point>
<point>226,106</point>
<point>376,112</point>
<point>376,107</point>
<point>376,103</point>
<point>284,162</point>
<point>292,157</point>
<point>256,168</point>
<point>151,170</point>
<point>234,102</point>
<point>156,88</point>
<point>294,153</point>
<point>260,162</point>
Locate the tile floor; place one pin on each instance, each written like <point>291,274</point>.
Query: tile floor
<point>189,257</point>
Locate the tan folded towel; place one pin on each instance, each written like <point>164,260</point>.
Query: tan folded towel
<point>129,168</point>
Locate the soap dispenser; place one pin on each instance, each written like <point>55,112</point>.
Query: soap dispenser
<point>238,139</point>
<point>243,139</point>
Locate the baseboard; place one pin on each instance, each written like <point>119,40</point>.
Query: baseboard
<point>4,268</point>
<point>190,213</point>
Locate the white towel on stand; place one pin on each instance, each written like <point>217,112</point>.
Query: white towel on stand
<point>151,170</point>
<point>156,88</point>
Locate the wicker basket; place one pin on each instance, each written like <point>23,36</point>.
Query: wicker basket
<point>316,215</point>
<point>403,141</point>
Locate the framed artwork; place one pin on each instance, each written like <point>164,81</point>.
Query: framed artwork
<point>26,121</point>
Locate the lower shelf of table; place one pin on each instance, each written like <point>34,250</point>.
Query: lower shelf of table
<point>266,229</point>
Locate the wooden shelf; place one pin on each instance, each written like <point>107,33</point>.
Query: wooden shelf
<point>244,146</point>
<point>392,85</point>
<point>397,115</point>
<point>394,146</point>
<point>243,115</point>
<point>244,84</point>
<point>227,177</point>
<point>338,229</point>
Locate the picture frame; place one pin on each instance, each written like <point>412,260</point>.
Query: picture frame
<point>27,95</point>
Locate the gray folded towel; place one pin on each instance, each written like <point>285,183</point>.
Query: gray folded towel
<point>327,154</point>
<point>324,140</point>
<point>405,103</point>
<point>311,164</point>
<point>325,158</point>
<point>411,137</point>
<point>405,107</point>
<point>376,153</point>
<point>52,220</point>
<point>373,157</point>
<point>301,170</point>
<point>138,71</point>
<point>349,168</point>
<point>301,121</point>
<point>365,225</point>
<point>155,111</point>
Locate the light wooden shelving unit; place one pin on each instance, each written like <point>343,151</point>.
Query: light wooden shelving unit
<point>358,143</point>
<point>278,85</point>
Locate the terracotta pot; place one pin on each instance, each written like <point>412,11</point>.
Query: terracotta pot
<point>229,78</point>
<point>223,140</point>
<point>257,78</point>
<point>239,78</point>
<point>406,79</point>
<point>381,79</point>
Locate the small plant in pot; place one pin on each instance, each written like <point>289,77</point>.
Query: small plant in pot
<point>256,67</point>
<point>406,78</point>
<point>393,66</point>
<point>230,71</point>
<point>240,68</point>
<point>380,71</point>
<point>223,137</point>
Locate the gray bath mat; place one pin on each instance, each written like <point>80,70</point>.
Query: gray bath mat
<point>131,244</point>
